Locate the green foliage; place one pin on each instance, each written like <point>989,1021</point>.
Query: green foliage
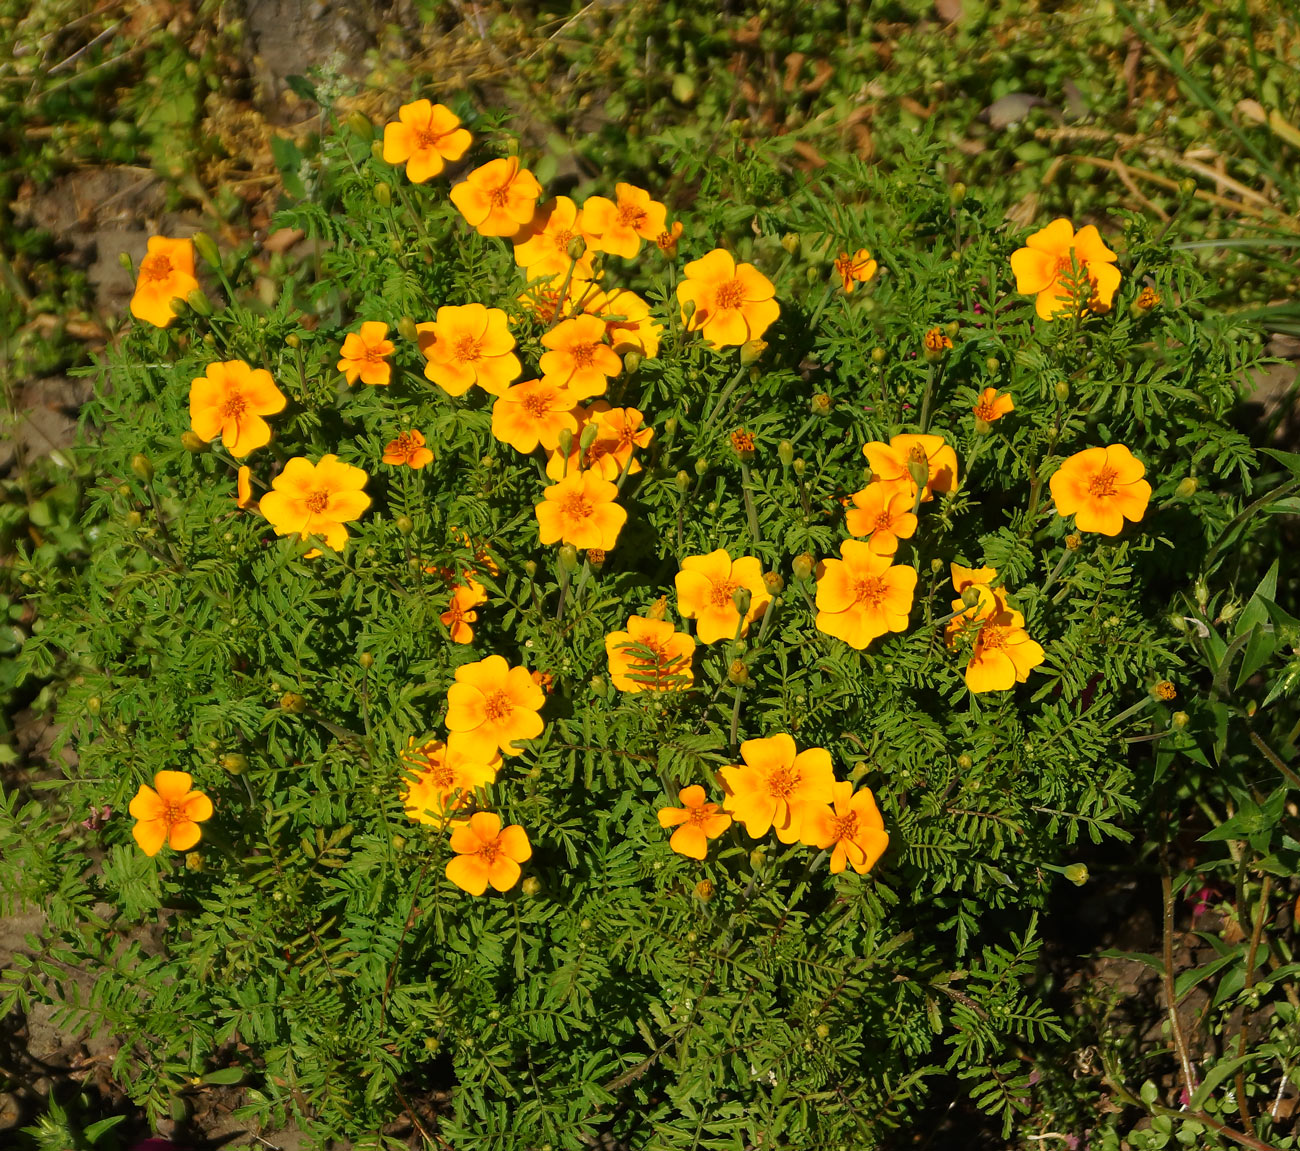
<point>312,941</point>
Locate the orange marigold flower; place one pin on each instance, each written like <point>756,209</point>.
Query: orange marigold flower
<point>976,598</point>
<point>855,269</point>
<point>166,274</point>
<point>316,499</point>
<point>363,355</point>
<point>777,788</point>
<point>1044,268</point>
<point>696,821</point>
<point>620,227</point>
<point>992,405</point>
<point>460,612</point>
<point>491,706</point>
<point>469,344</point>
<point>408,448</point>
<point>734,303</point>
<point>487,853</point>
<point>1101,488</point>
<point>243,486</point>
<point>542,248</point>
<point>883,514</point>
<point>443,780</point>
<point>580,510</point>
<point>650,656</point>
<point>498,198</point>
<point>853,827</point>
<point>578,356</point>
<point>230,401</point>
<point>619,432</point>
<point>424,137</point>
<point>1004,654</point>
<point>169,813</point>
<point>667,240</point>
<point>863,595</point>
<point>908,459</point>
<point>628,324</point>
<point>706,588</point>
<point>533,412</point>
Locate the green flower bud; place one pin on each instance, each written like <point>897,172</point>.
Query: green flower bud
<point>597,684</point>
<point>823,1032</point>
<point>404,524</point>
<point>193,861</point>
<point>199,302</point>
<point>530,568</point>
<point>821,404</point>
<point>1186,488</point>
<point>965,762</point>
<point>670,427</point>
<point>531,886</point>
<point>234,763</point>
<point>688,310</point>
<point>399,843</point>
<point>360,126</point>
<point>293,340</point>
<point>741,597</point>
<point>207,248</point>
<point>1062,390</point>
<point>631,362</point>
<point>93,704</point>
<point>293,702</point>
<point>792,243</point>
<point>124,259</point>
<point>682,481</point>
<point>803,566</point>
<point>142,466</point>
<point>878,355</point>
<point>407,330</point>
<point>701,467</point>
<point>785,453</point>
<point>970,596</point>
<point>193,443</point>
<point>936,565</point>
<point>982,426</point>
<point>383,195</point>
<point>588,437</point>
<point>751,351</point>
<point>568,557</point>
<point>957,193</point>
<point>1180,719</point>
<point>738,673</point>
<point>577,248</point>
<point>377,150</point>
<point>1077,873</point>
<point>798,465</point>
<point>366,660</point>
<point>774,582</point>
<point>178,306</point>
<point>993,365</point>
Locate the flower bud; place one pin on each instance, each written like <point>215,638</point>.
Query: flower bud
<point>774,582</point>
<point>366,660</point>
<point>670,427</point>
<point>93,704</point>
<point>207,248</point>
<point>596,557</point>
<point>531,886</point>
<point>178,306</point>
<point>193,443</point>
<point>737,672</point>
<point>588,437</point>
<point>682,481</point>
<point>293,340</point>
<point>632,362</point>
<point>935,344</point>
<point>404,524</point>
<point>234,763</point>
<point>1062,391</point>
<point>199,302</point>
<point>292,701</point>
<point>1187,187</point>
<point>1186,487</point>
<point>431,1043</point>
<point>951,329</point>
<point>798,465</point>
<point>377,150</point>
<point>688,310</point>
<point>124,259</point>
<point>577,248</point>
<point>741,597</point>
<point>993,365</point>
<point>957,193</point>
<point>936,565</point>
<point>878,355</point>
<point>658,609</point>
<point>193,861</point>
<point>383,195</point>
<point>701,467</point>
<point>823,1032</point>
<point>142,466</point>
<point>597,684</point>
<point>360,126</point>
<point>1077,873</point>
<point>802,565</point>
<point>133,520</point>
<point>982,426</point>
<point>1164,690</point>
<point>751,351</point>
<point>792,243</point>
<point>704,890</point>
<point>399,843</point>
<point>1180,719</point>
<point>566,442</point>
<point>1074,541</point>
<point>970,596</point>
<point>530,568</point>
<point>821,404</point>
<point>919,470</point>
<point>568,557</point>
<point>813,274</point>
<point>785,453</point>
<point>123,489</point>
<point>965,762</point>
<point>407,330</point>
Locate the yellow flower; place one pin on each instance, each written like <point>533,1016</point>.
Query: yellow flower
<point>580,510</point>
<point>706,588</point>
<point>1052,256</point>
<point>853,827</point>
<point>734,303</point>
<point>900,464</point>
<point>490,707</point>
<point>650,656</point>
<point>1101,488</point>
<point>777,788</point>
<point>884,514</point>
<point>466,345</point>
<point>442,781</point>
<point>578,357</point>
<point>424,137</point>
<point>169,813</point>
<point>618,228</point>
<point>543,247</point>
<point>230,401</point>
<point>992,405</point>
<point>619,432</point>
<point>460,612</point>
<point>364,355</point>
<point>863,595</point>
<point>166,274</point>
<point>628,324</point>
<point>533,412</point>
<point>1004,654</point>
<point>498,198</point>
<point>696,821</point>
<point>855,269</point>
<point>408,448</point>
<point>316,499</point>
<point>487,853</point>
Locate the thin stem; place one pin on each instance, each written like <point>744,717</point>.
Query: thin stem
<point>751,511</point>
<point>1175,1026</point>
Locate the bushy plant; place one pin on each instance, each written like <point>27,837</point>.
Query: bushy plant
<point>322,940</point>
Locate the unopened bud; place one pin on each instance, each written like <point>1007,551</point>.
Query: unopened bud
<point>1074,541</point>
<point>658,609</point>
<point>93,704</point>
<point>1077,873</point>
<point>193,443</point>
<point>597,684</point>
<point>1187,187</point>
<point>982,426</point>
<point>124,259</point>
<point>404,524</point>
<point>193,861</point>
<point>293,340</point>
<point>682,481</point>
<point>632,362</point>
<point>741,597</point>
<point>688,310</point>
<point>141,465</point>
<point>588,437</point>
<point>792,243</point>
<point>798,465</point>
<point>1180,719</point>
<point>802,566</point>
<point>577,248</point>
<point>366,660</point>
<point>199,302</point>
<point>234,763</point>
<point>1062,391</point>
<point>751,351</point>
<point>407,330</point>
<point>878,355</point>
<point>670,427</point>
<point>1186,488</point>
<point>383,195</point>
<point>701,467</point>
<point>965,762</point>
<point>992,365</point>
<point>177,306</point>
<point>531,886</point>
<point>970,596</point>
<point>530,568</point>
<point>361,127</point>
<point>377,150</point>
<point>813,274</point>
<point>432,1044</point>
<point>133,520</point>
<point>957,193</point>
<point>738,673</point>
<point>566,442</point>
<point>936,565</point>
<point>919,470</point>
<point>774,582</point>
<point>207,248</point>
<point>951,329</point>
<point>821,404</point>
<point>292,701</point>
<point>568,557</point>
<point>785,453</point>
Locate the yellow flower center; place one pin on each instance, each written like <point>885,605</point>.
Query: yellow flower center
<point>870,591</point>
<point>374,354</point>
<point>155,267</point>
<point>576,506</point>
<point>562,240</point>
<point>490,852</point>
<point>1103,483</point>
<point>729,295</point>
<point>234,407</point>
<point>721,594</point>
<point>499,705</point>
<point>630,215</point>
<point>984,411</point>
<point>469,349</point>
<point>846,826</point>
<point>782,782</point>
<point>994,637</point>
<point>583,354</point>
<point>317,501</point>
<point>536,404</point>
<point>499,195</point>
<point>697,816</point>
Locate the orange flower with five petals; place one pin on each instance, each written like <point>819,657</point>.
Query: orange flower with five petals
<point>863,595</point>
<point>884,515</point>
<point>487,853</point>
<point>533,412</point>
<point>1004,653</point>
<point>855,269</point>
<point>499,198</point>
<point>909,460</point>
<point>364,355</point>
<point>442,780</point>
<point>1066,272</point>
<point>309,499</point>
<point>460,612</point>
<point>542,249</point>
<point>490,707</point>
<point>696,821</point>
<point>1101,488</point>
<point>619,432</point>
<point>706,588</point>
<point>734,303</point>
<point>580,510</point>
<point>992,405</point>
<point>629,326</point>
<point>166,274</point>
<point>424,137</point>
<point>578,357</point>
<point>776,787</point>
<point>651,655</point>
<point>466,345</point>
<point>408,448</point>
<point>169,813</point>
<point>619,225</point>
<point>230,401</point>
<point>852,828</point>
